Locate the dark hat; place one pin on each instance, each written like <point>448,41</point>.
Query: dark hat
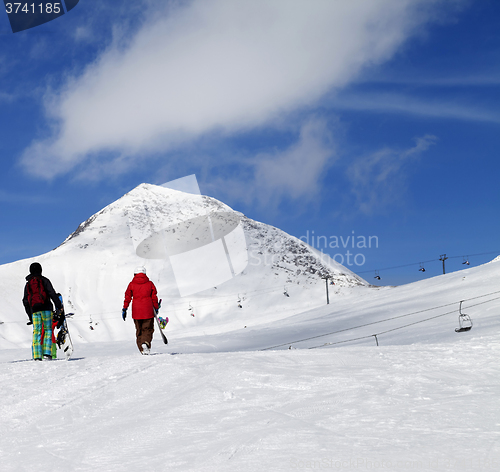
<point>35,269</point>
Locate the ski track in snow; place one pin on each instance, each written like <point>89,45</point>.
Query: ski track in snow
<point>414,407</point>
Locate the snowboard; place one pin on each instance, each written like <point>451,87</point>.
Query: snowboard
<point>61,334</point>
<point>162,323</point>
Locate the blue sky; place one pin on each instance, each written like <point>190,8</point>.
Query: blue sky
<point>337,119</point>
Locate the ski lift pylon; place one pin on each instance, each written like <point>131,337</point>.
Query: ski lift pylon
<point>464,321</point>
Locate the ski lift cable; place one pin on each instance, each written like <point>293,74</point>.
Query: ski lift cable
<point>473,255</point>
<point>401,327</point>
<point>356,327</point>
<point>425,262</point>
<point>398,267</point>
<point>417,322</point>
<point>404,326</point>
<point>387,319</point>
<point>342,342</point>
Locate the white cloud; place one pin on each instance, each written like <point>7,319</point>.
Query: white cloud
<point>408,105</point>
<point>297,171</point>
<point>216,65</point>
<point>294,173</point>
<point>460,79</point>
<point>378,179</point>
<point>34,199</point>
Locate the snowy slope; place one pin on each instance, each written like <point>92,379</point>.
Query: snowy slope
<point>94,265</point>
<point>425,399</point>
<point>217,399</point>
<point>280,292</point>
<point>420,407</point>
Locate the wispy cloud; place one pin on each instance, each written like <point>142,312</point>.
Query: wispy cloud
<point>215,65</point>
<point>294,173</point>
<point>16,198</point>
<point>379,179</point>
<point>6,97</point>
<point>406,104</point>
<point>477,80</point>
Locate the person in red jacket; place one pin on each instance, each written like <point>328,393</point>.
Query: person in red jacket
<point>142,292</point>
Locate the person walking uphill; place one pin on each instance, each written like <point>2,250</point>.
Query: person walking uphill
<point>142,292</point>
<point>38,297</point>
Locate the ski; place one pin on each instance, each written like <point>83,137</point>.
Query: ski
<point>161,324</point>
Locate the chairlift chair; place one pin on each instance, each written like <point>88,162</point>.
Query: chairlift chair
<point>464,321</point>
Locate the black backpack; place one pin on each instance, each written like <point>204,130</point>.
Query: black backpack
<point>37,296</point>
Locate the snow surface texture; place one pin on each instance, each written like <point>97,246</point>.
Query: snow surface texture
<point>420,407</point>
<point>296,387</point>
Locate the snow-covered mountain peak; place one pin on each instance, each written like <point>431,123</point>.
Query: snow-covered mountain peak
<point>145,208</point>
<point>150,209</point>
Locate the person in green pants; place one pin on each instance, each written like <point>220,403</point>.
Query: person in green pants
<point>38,297</point>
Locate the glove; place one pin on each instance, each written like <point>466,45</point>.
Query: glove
<point>124,314</point>
<point>156,310</point>
<point>30,322</point>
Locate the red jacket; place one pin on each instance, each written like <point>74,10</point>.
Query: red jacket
<point>145,299</point>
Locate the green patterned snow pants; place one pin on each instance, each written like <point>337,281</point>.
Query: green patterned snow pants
<point>42,347</point>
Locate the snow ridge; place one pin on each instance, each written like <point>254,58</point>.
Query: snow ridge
<point>152,208</point>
